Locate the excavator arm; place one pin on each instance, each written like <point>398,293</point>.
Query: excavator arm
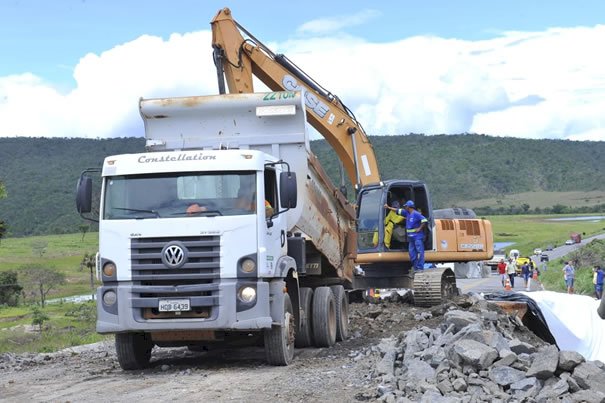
<point>240,59</point>
<point>455,240</point>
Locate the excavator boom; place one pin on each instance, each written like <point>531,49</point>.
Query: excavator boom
<point>380,253</point>
<point>241,58</point>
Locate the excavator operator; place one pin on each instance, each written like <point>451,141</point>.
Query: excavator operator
<point>391,219</point>
<point>414,225</point>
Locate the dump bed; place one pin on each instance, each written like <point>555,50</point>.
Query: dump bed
<point>274,123</point>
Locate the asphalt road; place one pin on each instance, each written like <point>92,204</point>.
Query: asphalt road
<point>492,283</point>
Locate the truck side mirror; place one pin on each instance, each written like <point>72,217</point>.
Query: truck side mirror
<point>84,194</point>
<point>288,190</point>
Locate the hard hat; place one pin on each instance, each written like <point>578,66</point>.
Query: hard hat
<point>395,204</point>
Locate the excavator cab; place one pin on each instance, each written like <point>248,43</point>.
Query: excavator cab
<point>381,230</point>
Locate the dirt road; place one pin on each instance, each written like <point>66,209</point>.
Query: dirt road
<point>91,373</point>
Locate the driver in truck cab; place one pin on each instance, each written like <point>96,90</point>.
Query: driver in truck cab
<point>414,226</point>
<point>195,208</point>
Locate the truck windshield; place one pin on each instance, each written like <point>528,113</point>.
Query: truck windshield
<point>179,195</point>
<point>367,221</point>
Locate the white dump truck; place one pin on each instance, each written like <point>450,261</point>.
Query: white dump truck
<point>225,227</point>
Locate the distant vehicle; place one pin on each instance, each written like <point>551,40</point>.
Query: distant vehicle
<point>569,242</point>
<point>549,247</point>
<point>514,254</point>
<point>493,262</point>
<point>537,251</point>
<point>544,257</point>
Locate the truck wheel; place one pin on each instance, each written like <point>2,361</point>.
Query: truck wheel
<point>342,312</point>
<point>133,350</point>
<point>304,336</point>
<point>324,317</point>
<point>279,340</point>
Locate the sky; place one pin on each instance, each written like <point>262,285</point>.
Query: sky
<point>518,68</point>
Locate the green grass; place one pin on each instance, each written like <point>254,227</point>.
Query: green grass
<point>68,325</point>
<point>536,231</point>
<point>63,252</point>
<point>540,199</point>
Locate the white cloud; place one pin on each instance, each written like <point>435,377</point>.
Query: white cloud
<point>108,86</point>
<point>323,26</point>
<point>525,84</point>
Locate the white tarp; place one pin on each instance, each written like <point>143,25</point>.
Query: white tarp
<point>465,269</point>
<point>573,321</point>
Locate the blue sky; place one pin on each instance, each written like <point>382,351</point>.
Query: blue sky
<point>504,68</point>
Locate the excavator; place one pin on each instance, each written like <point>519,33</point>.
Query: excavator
<point>453,235</point>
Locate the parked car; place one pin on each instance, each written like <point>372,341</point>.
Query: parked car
<point>537,251</point>
<point>569,242</point>
<point>544,257</point>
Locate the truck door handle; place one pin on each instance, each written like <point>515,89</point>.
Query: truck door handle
<point>283,238</point>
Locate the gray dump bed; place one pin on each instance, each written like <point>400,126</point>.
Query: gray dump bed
<point>274,123</point>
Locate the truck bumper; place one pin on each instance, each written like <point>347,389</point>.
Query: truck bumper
<point>226,314</point>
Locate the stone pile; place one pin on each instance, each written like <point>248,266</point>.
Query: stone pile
<point>477,356</point>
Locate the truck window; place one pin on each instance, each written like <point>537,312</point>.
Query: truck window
<point>271,188</point>
<point>169,195</point>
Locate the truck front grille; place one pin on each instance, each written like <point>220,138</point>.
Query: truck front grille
<point>196,280</point>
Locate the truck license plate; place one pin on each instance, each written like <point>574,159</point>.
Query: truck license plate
<point>174,305</point>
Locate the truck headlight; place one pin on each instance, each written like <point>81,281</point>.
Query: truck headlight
<point>248,265</point>
<point>109,269</point>
<point>110,297</point>
<point>247,294</point>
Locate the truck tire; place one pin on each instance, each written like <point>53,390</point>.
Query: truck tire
<point>324,317</point>
<point>133,350</point>
<point>304,336</point>
<point>279,340</point>
<point>342,312</point>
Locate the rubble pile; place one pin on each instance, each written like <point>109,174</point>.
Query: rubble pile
<point>479,355</point>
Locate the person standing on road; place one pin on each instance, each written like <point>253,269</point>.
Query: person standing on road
<point>569,274</point>
<point>511,270</point>
<point>526,272</point>
<point>597,280</point>
<point>502,272</point>
<point>414,227</point>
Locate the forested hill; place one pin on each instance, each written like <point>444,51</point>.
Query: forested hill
<point>40,174</point>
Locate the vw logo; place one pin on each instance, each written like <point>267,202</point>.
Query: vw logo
<point>174,255</point>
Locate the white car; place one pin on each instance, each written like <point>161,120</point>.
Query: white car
<point>537,251</point>
<point>569,242</point>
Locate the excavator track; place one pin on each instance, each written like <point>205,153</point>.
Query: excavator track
<point>434,286</point>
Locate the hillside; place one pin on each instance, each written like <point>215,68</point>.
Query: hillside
<point>40,173</point>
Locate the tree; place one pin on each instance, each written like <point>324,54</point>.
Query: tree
<point>39,247</point>
<point>39,280</point>
<point>38,317</point>
<point>10,289</point>
<point>2,224</point>
<point>3,229</point>
<point>84,229</point>
<point>90,261</point>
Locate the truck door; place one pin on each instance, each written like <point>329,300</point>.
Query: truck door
<point>274,226</point>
